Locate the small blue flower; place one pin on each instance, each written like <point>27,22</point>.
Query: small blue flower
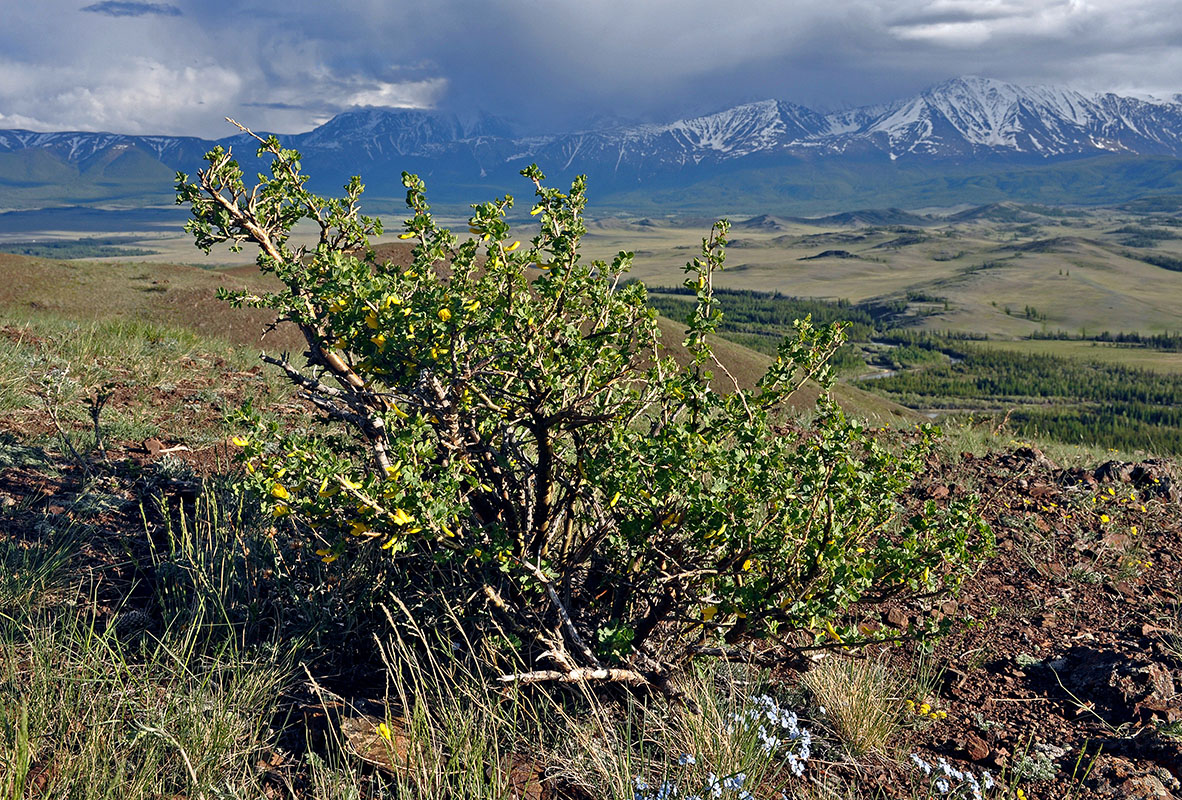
<point>734,781</point>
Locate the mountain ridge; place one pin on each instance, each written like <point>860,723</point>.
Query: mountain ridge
<point>966,120</point>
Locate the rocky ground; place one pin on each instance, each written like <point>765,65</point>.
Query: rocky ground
<point>1064,658</point>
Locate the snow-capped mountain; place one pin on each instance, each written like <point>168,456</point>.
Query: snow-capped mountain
<point>640,150</point>
<point>378,132</point>
<point>76,147</point>
<point>974,121</point>
<point>966,116</point>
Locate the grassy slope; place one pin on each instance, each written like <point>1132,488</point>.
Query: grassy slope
<point>165,294</point>
<point>748,366</point>
<point>185,297</point>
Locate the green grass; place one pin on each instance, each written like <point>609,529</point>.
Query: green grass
<point>190,695</point>
<point>98,718</point>
<point>31,569</point>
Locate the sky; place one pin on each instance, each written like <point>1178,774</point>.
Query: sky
<point>179,67</point>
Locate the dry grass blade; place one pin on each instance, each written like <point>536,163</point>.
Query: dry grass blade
<point>859,697</point>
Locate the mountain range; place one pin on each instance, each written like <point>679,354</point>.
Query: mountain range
<point>966,140</point>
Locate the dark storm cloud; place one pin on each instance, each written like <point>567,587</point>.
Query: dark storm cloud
<point>125,8</point>
<point>291,64</point>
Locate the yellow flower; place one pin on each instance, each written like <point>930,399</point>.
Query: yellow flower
<point>279,492</point>
<point>384,731</point>
<point>407,235</point>
<point>281,510</point>
<point>747,565</point>
<point>925,708</point>
<point>371,319</point>
<point>359,527</point>
<point>473,306</point>
<point>1133,530</point>
<point>392,473</point>
<point>615,499</point>
<point>400,517</point>
<point>537,210</point>
<point>338,304</point>
<point>379,341</point>
<point>240,442</point>
<point>444,314</point>
<point>512,247</point>
<point>1104,518</point>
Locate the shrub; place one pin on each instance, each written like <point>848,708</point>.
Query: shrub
<point>502,420</point>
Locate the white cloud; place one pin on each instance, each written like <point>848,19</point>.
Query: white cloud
<point>952,34</point>
<point>135,95</point>
<point>409,94</point>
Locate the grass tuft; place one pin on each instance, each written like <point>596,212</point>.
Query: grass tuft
<point>861,701</point>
